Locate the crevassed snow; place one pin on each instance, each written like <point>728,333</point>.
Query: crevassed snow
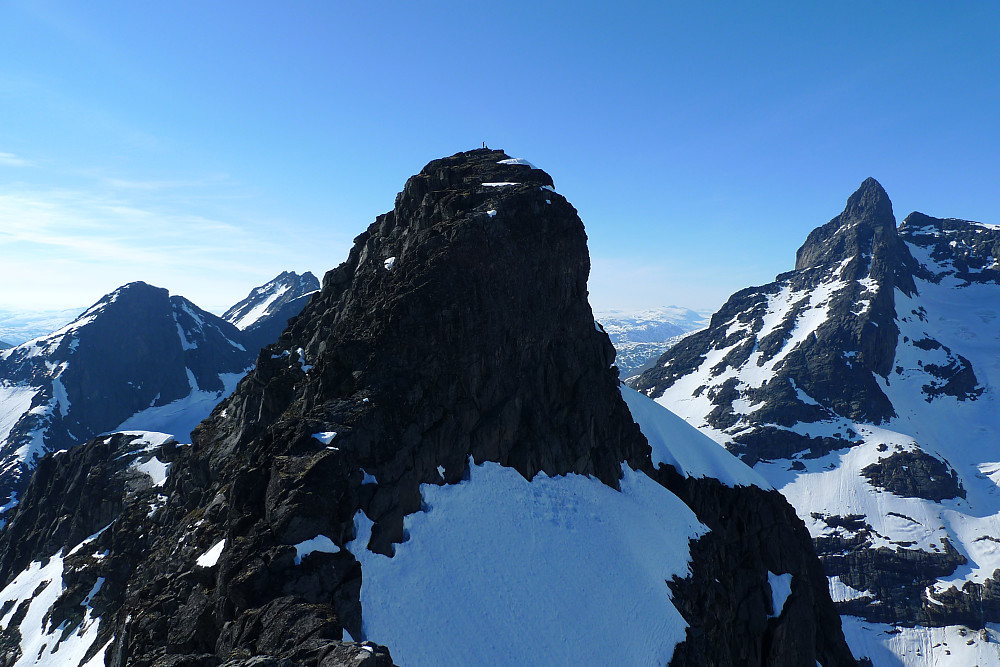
<point>781,588</point>
<point>320,543</point>
<point>841,592</point>
<point>561,570</point>
<point>921,647</point>
<point>518,160</point>
<point>677,443</point>
<point>211,557</point>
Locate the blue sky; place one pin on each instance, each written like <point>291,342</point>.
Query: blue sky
<point>205,147</point>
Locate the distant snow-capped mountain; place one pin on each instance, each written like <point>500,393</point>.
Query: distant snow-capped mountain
<point>864,385</point>
<point>138,359</point>
<point>265,312</point>
<point>137,354</point>
<point>641,337</point>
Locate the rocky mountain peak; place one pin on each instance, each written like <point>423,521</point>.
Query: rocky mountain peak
<point>464,171</point>
<point>265,312</point>
<point>135,350</point>
<point>465,309</point>
<point>869,201</point>
<point>864,238</point>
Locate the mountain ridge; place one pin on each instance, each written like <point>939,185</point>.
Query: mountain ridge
<point>454,352</point>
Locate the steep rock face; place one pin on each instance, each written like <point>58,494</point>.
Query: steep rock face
<point>860,385</point>
<point>265,312</point>
<point>137,349</point>
<point>770,344</point>
<point>454,347</point>
<point>753,534</point>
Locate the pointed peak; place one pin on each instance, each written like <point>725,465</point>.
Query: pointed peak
<point>868,201</point>
<point>867,215</point>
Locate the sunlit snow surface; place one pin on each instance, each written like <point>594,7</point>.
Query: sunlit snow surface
<point>211,557</point>
<point>320,544</point>
<point>181,416</point>
<point>260,310</point>
<point>918,647</point>
<point>501,571</point>
<point>676,443</point>
<point>42,643</point>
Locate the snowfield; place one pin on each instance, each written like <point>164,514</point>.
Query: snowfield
<point>559,570</point>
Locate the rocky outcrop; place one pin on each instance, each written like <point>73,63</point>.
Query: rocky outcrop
<point>965,250</point>
<point>728,601</point>
<point>915,474</point>
<point>457,332</point>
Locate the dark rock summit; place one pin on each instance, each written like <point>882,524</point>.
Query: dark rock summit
<point>457,332</point>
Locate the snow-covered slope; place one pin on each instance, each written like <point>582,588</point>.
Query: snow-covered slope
<point>138,357</point>
<point>864,386</point>
<point>641,337</point>
<point>516,536</point>
<point>510,530</point>
<point>265,312</point>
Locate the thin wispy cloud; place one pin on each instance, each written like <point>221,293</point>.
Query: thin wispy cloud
<point>76,245</point>
<point>129,184</point>
<point>11,160</point>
